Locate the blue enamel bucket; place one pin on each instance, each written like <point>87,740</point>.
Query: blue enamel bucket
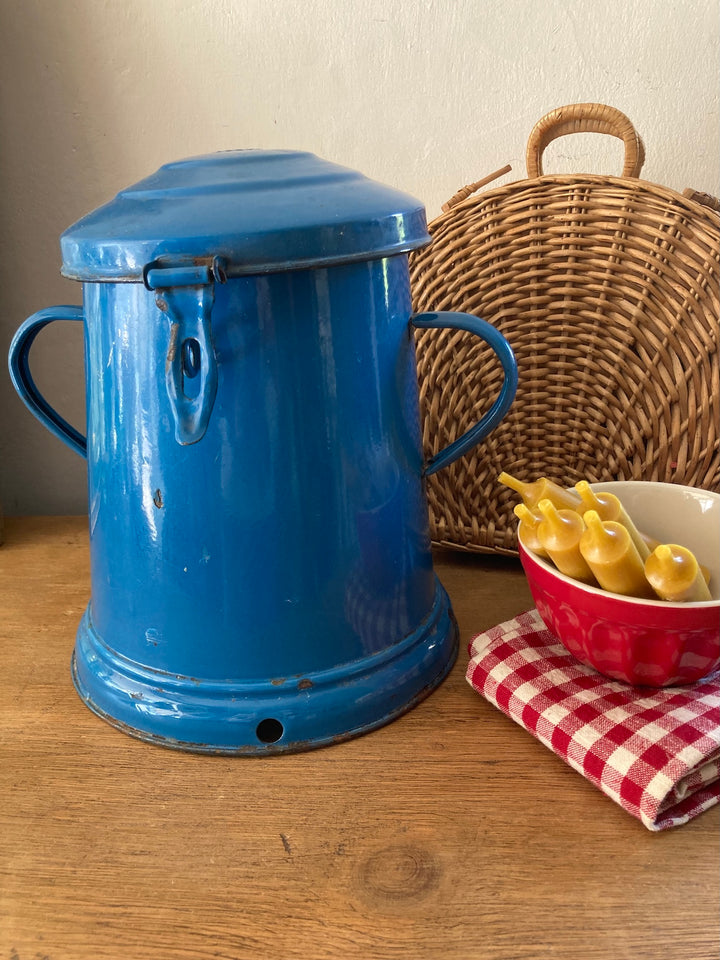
<point>261,572</point>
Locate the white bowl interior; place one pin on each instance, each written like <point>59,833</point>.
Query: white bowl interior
<point>671,513</point>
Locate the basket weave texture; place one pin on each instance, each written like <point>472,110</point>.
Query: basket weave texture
<point>607,290</point>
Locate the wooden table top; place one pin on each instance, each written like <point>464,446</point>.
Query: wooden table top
<point>449,833</point>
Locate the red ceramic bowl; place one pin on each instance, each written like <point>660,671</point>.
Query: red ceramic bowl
<point>643,642</point>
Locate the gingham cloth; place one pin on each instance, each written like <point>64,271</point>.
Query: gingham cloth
<point>656,752</point>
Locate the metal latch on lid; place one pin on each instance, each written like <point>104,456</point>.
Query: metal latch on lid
<point>185,292</point>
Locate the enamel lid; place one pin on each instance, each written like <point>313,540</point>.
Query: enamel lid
<point>260,211</point>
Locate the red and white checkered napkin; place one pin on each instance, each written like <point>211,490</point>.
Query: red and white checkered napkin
<point>656,752</point>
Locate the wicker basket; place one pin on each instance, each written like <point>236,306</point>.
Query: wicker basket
<point>607,289</point>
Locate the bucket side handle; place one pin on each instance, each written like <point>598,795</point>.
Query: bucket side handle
<point>19,364</point>
<point>497,342</point>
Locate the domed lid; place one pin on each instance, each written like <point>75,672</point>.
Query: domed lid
<point>259,211</point>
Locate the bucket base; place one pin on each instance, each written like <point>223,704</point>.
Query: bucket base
<point>265,717</point>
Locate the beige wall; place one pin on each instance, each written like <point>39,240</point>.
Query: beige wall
<point>423,94</point>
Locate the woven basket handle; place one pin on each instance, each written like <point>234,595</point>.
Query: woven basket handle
<point>584,118</point>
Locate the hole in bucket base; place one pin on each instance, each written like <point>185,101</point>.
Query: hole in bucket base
<point>269,731</point>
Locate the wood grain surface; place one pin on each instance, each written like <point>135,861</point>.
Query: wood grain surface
<point>450,833</point>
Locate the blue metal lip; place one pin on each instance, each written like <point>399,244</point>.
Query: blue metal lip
<point>261,211</point>
<point>224,717</point>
